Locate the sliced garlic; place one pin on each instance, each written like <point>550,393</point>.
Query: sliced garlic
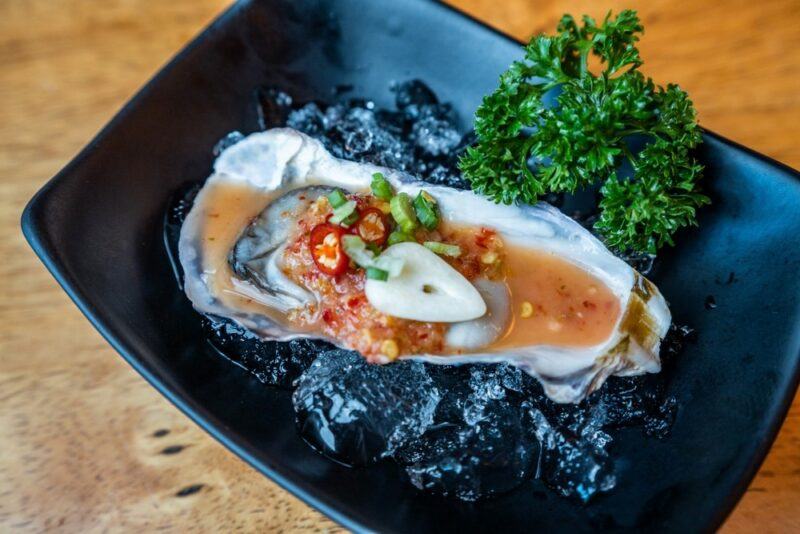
<point>427,289</point>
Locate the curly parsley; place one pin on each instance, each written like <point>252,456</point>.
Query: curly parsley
<point>527,148</point>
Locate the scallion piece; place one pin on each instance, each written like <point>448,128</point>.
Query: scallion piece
<point>381,187</point>
<point>425,207</point>
<point>443,248</point>
<point>403,212</point>
<point>393,266</point>
<point>350,219</point>
<point>398,236</point>
<point>345,214</point>
<point>336,198</point>
<point>373,273</point>
<point>356,250</point>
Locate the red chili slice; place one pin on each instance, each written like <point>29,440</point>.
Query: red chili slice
<point>372,226</point>
<point>325,243</point>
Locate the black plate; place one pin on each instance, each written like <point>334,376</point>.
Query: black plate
<point>97,227</point>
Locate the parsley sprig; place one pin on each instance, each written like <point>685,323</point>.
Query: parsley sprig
<point>527,147</point>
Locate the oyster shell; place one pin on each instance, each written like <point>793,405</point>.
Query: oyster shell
<point>261,185</point>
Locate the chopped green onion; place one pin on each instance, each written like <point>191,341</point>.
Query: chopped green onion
<point>375,249</point>
<point>398,236</point>
<point>345,214</point>
<point>356,249</point>
<point>425,206</point>
<point>336,198</point>
<point>443,248</point>
<point>393,266</point>
<point>403,213</point>
<point>350,219</point>
<point>381,187</point>
<point>373,273</point>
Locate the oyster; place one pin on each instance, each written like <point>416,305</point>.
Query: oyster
<point>565,309</point>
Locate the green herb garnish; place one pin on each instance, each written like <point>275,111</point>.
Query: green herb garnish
<point>527,148</point>
<point>356,250</point>
<point>444,249</point>
<point>426,210</point>
<point>336,198</point>
<point>398,236</point>
<point>403,213</point>
<point>374,273</point>
<point>345,214</point>
<point>381,187</point>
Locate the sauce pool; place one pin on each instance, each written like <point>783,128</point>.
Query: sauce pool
<point>555,302</point>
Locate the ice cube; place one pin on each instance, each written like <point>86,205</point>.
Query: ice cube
<point>435,137</point>
<point>470,460</point>
<point>481,442</point>
<point>358,413</point>
<point>413,92</point>
<point>309,119</point>
<point>272,107</point>
<point>272,362</point>
<point>572,466</point>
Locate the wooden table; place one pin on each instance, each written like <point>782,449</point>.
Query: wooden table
<point>85,443</point>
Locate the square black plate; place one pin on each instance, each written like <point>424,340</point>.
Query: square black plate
<point>97,227</point>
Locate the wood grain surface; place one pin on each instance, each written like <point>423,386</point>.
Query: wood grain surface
<point>85,444</point>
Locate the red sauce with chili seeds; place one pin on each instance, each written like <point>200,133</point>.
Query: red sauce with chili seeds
<point>553,301</point>
<point>345,314</point>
